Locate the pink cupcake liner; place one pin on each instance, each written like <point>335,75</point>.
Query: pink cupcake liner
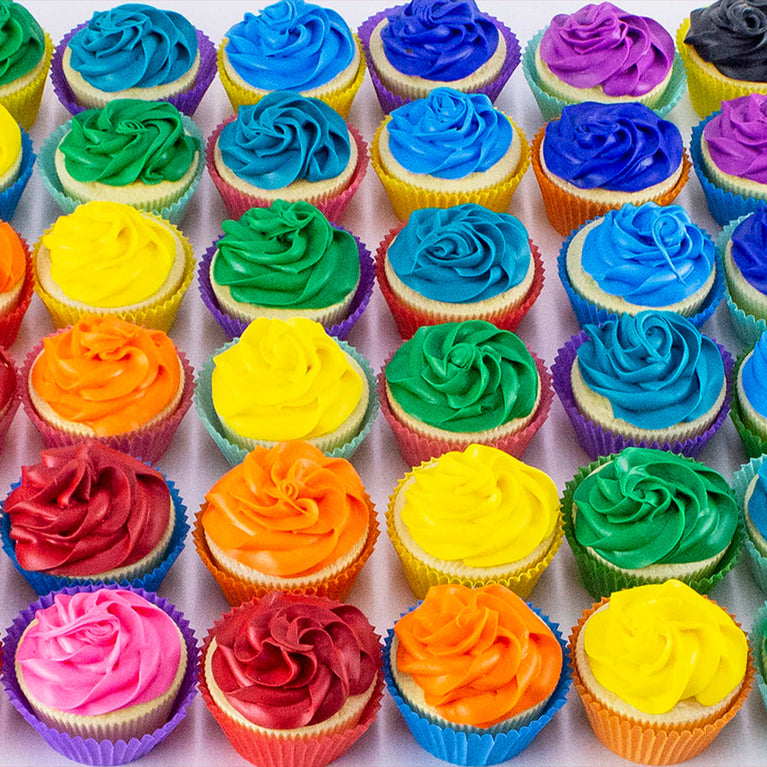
<point>186,102</point>
<point>11,322</point>
<point>13,405</point>
<point>597,441</point>
<point>416,448</point>
<point>237,202</point>
<point>90,751</point>
<point>390,101</point>
<point>234,327</point>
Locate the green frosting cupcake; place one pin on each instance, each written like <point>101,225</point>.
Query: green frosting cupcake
<point>22,42</point>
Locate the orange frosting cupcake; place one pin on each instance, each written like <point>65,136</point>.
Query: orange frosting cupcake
<point>15,282</point>
<point>13,262</point>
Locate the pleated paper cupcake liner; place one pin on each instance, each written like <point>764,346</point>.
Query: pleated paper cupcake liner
<point>754,443</point>
<point>11,322</point>
<point>15,400</point>
<point>90,751</point>
<point>10,196</point>
<point>756,642</point>
<point>755,560</point>
<point>24,103</point>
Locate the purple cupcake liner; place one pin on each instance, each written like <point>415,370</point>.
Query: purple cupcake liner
<point>9,198</point>
<point>390,101</point>
<point>90,751</point>
<point>186,102</point>
<point>234,327</point>
<point>597,441</point>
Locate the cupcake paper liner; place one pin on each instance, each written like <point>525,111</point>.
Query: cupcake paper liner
<point>390,101</point>
<point>11,322</point>
<point>234,454</point>
<point>13,405</point>
<point>755,639</point>
<point>43,583</point>
<point>9,197</point>
<point>234,327</point>
<point>567,212</point>
<point>186,102</point>
<point>405,198</point>
<point>416,448</point>
<point>601,580</point>
<point>597,441</point>
<point>588,313</point>
<point>470,746</point>
<point>650,743</point>
<point>339,99</point>
<point>146,444</point>
<point>551,106</point>
<point>90,751</point>
<point>332,206</point>
<point>754,443</point>
<point>24,104</point>
<point>755,560</point>
<point>408,318</point>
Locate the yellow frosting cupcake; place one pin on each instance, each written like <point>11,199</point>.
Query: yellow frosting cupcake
<point>10,149</point>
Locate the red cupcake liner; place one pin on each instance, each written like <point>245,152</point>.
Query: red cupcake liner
<point>11,322</point>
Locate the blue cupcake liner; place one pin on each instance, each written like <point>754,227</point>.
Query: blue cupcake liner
<point>755,640</point>
<point>459,746</point>
<point>9,198</point>
<point>756,562</point>
<point>43,583</point>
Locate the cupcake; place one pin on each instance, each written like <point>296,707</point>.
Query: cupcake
<point>750,484</point>
<point>292,45</point>
<point>660,670</point>
<point>644,516</point>
<point>292,679</point>
<point>88,513</point>
<point>598,157</point>
<point>283,380</point>
<point>723,46</point>
<point>475,673</point>
<point>108,379</point>
<point>749,403</point>
<point>287,147</point>
<point>16,161</point>
<point>16,282</point>
<point>423,44</point>
<point>650,380</point>
<point>641,257</point>
<point>462,382</point>
<point>143,269</point>
<point>446,149</point>
<point>756,641</point>
<point>287,518</point>
<point>10,385</point>
<point>474,517</point>
<point>459,263</point>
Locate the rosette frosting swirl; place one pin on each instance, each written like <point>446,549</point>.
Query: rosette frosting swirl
<point>749,249</point>
<point>129,140</point>
<point>93,653</point>
<point>462,254</point>
<point>753,375</point>
<point>22,41</point>
<point>12,258</point>
<point>133,46</point>
<point>732,35</point>
<point>284,138</point>
<point>464,376</point>
<point>655,368</point>
<point>657,645</point>
<point>622,147</point>
<point>757,501</point>
<point>649,507</point>
<point>449,134</point>
<point>288,661</point>
<point>86,509</point>
<point>602,45</point>
<point>480,655</point>
<point>438,39</point>
<point>649,255</point>
<point>290,45</point>
<point>287,256</point>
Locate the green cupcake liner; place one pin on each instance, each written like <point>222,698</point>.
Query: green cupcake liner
<point>755,641</point>
<point>755,560</point>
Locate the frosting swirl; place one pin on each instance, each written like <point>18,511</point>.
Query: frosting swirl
<point>449,134</point>
<point>732,35</point>
<point>86,509</point>
<point>440,40</point>
<point>133,46</point>
<point>649,507</point>
<point>650,255</point>
<point>92,653</point>
<point>602,45</point>
<point>655,368</point>
<point>10,141</point>
<point>749,249</point>
<point>287,511</point>
<point>284,138</point>
<point>22,42</point>
<point>462,254</point>
<point>621,147</point>
<point>107,374</point>
<point>757,501</point>
<point>464,376</point>
<point>13,259</point>
<point>480,655</point>
<point>286,255</point>
<point>290,45</point>
<point>656,645</point>
<point>292,661</point>
<point>752,376</point>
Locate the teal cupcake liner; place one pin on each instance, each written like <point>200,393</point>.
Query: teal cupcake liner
<point>755,641</point>
<point>755,560</point>
<point>754,443</point>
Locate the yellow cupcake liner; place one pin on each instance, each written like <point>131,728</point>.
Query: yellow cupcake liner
<point>24,104</point>
<point>340,98</point>
<point>405,198</point>
<point>159,315</point>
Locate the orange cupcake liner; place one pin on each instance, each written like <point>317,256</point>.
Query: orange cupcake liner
<point>567,212</point>
<point>24,104</point>
<point>650,743</point>
<point>11,322</point>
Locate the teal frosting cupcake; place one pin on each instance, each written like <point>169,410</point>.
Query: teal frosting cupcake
<point>749,401</point>
<point>750,484</point>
